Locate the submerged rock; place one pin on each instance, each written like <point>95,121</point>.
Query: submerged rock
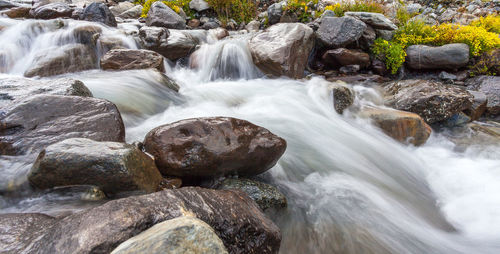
<point>98,12</point>
<point>212,146</point>
<point>162,16</point>
<point>282,49</point>
<point>339,32</point>
<point>129,59</point>
<point>449,56</point>
<point>111,166</point>
<point>52,11</point>
<point>176,236</point>
<point>490,86</point>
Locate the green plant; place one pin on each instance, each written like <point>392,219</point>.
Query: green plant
<point>358,5</point>
<point>392,53</point>
<point>487,64</point>
<point>491,23</point>
<point>239,10</point>
<point>403,16</point>
<point>300,8</point>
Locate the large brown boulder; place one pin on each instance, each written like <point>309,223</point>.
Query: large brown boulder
<point>432,100</point>
<point>35,122</point>
<point>212,146</point>
<point>111,166</point>
<point>282,49</point>
<point>235,218</point>
<point>129,59</point>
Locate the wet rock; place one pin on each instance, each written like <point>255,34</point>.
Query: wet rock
<point>153,38</point>
<point>99,12</point>
<point>220,33</point>
<point>447,77</point>
<point>114,167</point>
<point>212,146</point>
<point>339,32</point>
<point>274,12</point>
<point>490,86</point>
<point>357,79</point>
<point>350,69</point>
<point>458,119</point>
<point>235,218</point>
<point>132,13</point>
<point>253,26</point>
<point>343,96</point>
<point>402,126</point>
<point>433,101</point>
<point>173,44</point>
<point>81,192</point>
<point>375,20</point>
<point>35,122</point>
<point>121,7</point>
<point>449,56</point>
<point>87,34</point>
<point>52,11</point>
<point>342,57</point>
<point>199,5</point>
<point>176,236</point>
<point>162,16</point>
<point>282,49</point>
<point>130,59</point>
<point>478,106</point>
<point>17,231</point>
<point>194,23</point>
<point>17,12</point>
<point>170,183</point>
<point>379,67</point>
<point>64,59</point>
<point>265,195</point>
<point>6,4</point>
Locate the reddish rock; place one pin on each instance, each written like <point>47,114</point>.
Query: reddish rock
<point>343,57</point>
<point>130,59</point>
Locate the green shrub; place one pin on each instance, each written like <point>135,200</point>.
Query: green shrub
<point>239,10</point>
<point>358,5</point>
<point>392,53</point>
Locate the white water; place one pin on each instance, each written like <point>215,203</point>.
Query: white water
<point>350,188</point>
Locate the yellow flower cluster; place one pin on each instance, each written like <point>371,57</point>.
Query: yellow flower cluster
<point>491,23</point>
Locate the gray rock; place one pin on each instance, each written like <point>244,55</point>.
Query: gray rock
<point>413,8</point>
<point>449,56</point>
<point>339,32</point>
<point>210,25</point>
<point>490,86</point>
<point>327,13</point>
<point>18,230</point>
<point>176,236</point>
<point>428,19</point>
<point>447,16</point>
<point>253,26</point>
<point>99,12</point>
<point>265,195</point>
<point>132,13</point>
<point>282,49</point>
<point>343,96</point>
<point>121,7</point>
<point>199,5</point>
<point>478,106</point>
<point>153,38</point>
<point>274,12</point>
<point>384,34</point>
<point>130,59</point>
<point>375,20</point>
<point>367,38</point>
<point>7,4</point>
<point>172,44</point>
<point>445,76</point>
<point>51,11</point>
<point>162,16</point>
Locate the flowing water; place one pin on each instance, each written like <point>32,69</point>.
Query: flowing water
<point>351,189</point>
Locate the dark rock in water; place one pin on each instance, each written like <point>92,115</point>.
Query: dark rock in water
<point>265,195</point>
<point>478,134</point>
<point>339,32</point>
<point>153,38</point>
<point>130,59</point>
<point>282,49</point>
<point>18,230</point>
<point>450,56</point>
<point>35,122</point>
<point>434,101</point>
<point>343,96</point>
<point>173,44</point>
<point>490,86</point>
<point>404,127</point>
<point>213,146</point>
<point>99,12</point>
<point>176,236</point>
<point>235,218</point>
<point>162,16</point>
<point>65,59</point>
<point>342,57</point>
<point>350,69</point>
<point>81,192</point>
<point>6,4</point>
<point>456,120</point>
<point>52,11</point>
<point>17,12</point>
<point>478,106</point>
<point>87,34</point>
<point>114,167</point>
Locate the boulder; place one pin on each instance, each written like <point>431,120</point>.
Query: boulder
<point>274,12</point>
<point>87,34</point>
<point>35,122</point>
<point>172,44</point>
<point>339,32</point>
<point>432,100</point>
<point>17,12</point>
<point>52,11</point>
<point>212,146</point>
<point>282,49</point>
<point>176,236</point>
<point>265,195</point>
<point>113,167</point>
<point>235,218</point>
<point>367,39</point>
<point>132,13</point>
<point>343,96</point>
<point>342,57</point>
<point>64,59</point>
<point>6,4</point>
<point>449,56</point>
<point>375,20</point>
<point>478,106</point>
<point>194,23</point>
<point>162,16</point>
<point>130,59</point>
<point>490,86</point>
<point>153,38</point>
<point>18,230</point>
<point>199,5</point>
<point>121,7</point>
<point>350,69</point>
<point>98,12</point>
<point>253,26</point>
<point>402,126</point>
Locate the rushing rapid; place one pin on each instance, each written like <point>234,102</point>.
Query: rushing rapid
<point>350,188</point>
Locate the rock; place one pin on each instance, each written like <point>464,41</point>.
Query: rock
<point>99,12</point>
<point>350,69</point>
<point>153,38</point>
<point>447,16</point>
<point>339,32</point>
<point>17,12</point>
<point>199,5</point>
<point>447,77</point>
<point>220,33</point>
<point>17,231</point>
<point>130,59</point>
<point>413,8</point>
<point>402,126</point>
<point>449,56</point>
<point>172,45</point>
<point>35,122</point>
<point>367,39</point>
<point>342,57</point>
<point>194,23</point>
<point>176,236</point>
<point>87,34</point>
<point>274,12</point>
<point>265,195</point>
<point>379,67</point>
<point>132,13</point>
<point>282,49</point>
<point>289,17</point>
<point>64,59</point>
<point>235,218</point>
<point>162,16</point>
<point>375,20</point>
<point>212,146</point>
<point>253,26</point>
<point>426,19</point>
<point>17,88</point>
<point>121,7</point>
<point>384,34</point>
<point>343,96</point>
<point>490,86</point>
<point>80,192</point>
<point>52,11</point>
<point>433,101</point>
<point>6,5</point>
<point>357,79</point>
<point>113,167</point>
<point>458,119</point>
<point>210,25</point>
